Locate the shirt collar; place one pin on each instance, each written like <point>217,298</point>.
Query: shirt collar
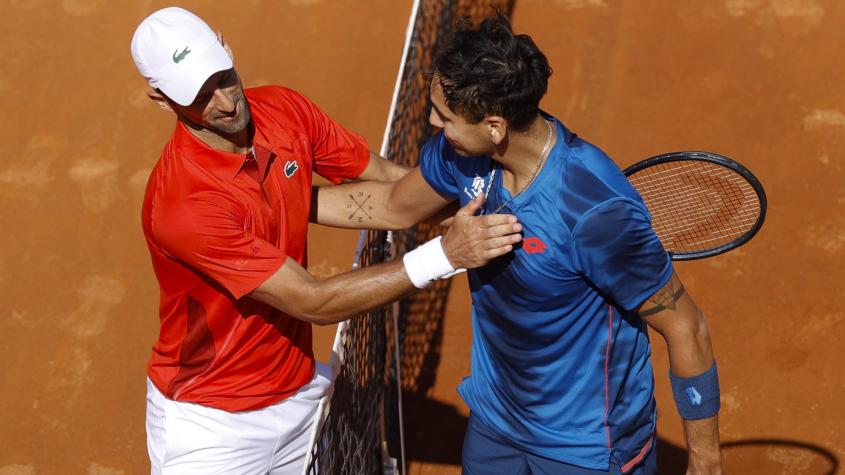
<point>262,156</point>
<point>229,165</point>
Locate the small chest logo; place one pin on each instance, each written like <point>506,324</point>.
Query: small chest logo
<point>534,245</point>
<point>290,168</point>
<point>477,187</point>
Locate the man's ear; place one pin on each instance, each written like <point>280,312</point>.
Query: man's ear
<point>159,99</point>
<point>497,127</point>
<point>225,45</point>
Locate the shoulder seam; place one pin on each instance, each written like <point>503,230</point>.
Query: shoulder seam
<point>593,210</point>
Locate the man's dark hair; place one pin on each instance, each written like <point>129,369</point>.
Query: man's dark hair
<point>488,71</point>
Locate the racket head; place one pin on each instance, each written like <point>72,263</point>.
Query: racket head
<point>702,204</point>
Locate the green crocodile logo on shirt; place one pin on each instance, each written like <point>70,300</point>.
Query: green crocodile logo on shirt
<point>177,56</point>
<point>290,168</point>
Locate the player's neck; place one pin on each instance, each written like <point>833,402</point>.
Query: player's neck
<point>520,154</point>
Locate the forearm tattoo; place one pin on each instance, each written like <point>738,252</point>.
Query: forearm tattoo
<point>359,209</point>
<point>665,298</point>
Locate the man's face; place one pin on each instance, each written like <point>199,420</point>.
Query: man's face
<point>220,105</point>
<point>468,140</point>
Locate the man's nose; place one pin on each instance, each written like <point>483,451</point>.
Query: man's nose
<point>224,101</point>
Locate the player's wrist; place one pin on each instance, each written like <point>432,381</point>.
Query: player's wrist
<point>427,263</point>
<point>697,397</point>
<point>705,464</point>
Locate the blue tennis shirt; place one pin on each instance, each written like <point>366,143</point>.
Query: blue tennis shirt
<point>560,363</point>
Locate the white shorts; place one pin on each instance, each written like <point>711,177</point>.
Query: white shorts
<point>186,438</point>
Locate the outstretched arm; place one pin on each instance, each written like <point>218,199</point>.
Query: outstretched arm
<point>672,313</point>
<point>376,205</point>
<point>471,241</point>
<point>379,169</point>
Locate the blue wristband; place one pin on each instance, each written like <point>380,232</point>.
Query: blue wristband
<point>697,397</point>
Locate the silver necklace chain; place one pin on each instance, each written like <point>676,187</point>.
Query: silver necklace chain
<point>537,167</point>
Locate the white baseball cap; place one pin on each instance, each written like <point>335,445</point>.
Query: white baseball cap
<point>177,52</point>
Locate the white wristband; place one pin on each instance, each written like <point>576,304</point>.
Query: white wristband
<point>454,273</point>
<point>427,263</point>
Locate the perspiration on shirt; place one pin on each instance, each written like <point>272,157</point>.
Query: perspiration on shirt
<point>560,363</point>
<point>215,234</point>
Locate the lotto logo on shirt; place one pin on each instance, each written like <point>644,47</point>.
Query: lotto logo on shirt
<point>534,245</point>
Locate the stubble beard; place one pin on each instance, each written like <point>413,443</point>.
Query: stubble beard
<point>239,125</point>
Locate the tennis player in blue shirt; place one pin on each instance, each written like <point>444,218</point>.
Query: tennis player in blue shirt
<point>561,378</point>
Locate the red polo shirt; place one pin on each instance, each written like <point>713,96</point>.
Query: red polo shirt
<point>215,234</point>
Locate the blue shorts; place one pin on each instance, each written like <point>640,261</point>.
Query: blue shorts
<point>486,452</point>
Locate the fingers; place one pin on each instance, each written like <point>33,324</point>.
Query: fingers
<point>473,206</point>
<point>503,233</point>
<point>497,219</point>
<point>502,229</point>
<point>495,246</point>
<point>472,241</point>
<point>502,240</point>
<point>500,246</point>
<point>499,251</point>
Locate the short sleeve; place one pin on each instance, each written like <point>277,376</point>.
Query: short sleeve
<point>615,247</point>
<point>438,167</point>
<point>207,232</point>
<point>339,154</point>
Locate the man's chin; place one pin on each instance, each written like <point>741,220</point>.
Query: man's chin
<point>234,127</point>
<point>457,149</point>
<point>230,129</point>
<point>460,150</point>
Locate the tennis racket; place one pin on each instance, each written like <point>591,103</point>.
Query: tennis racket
<point>702,204</point>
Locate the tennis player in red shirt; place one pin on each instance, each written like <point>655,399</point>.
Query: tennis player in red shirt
<point>232,383</point>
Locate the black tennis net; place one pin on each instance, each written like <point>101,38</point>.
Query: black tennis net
<point>393,351</point>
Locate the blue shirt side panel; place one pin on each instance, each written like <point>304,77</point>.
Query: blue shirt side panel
<point>616,249</point>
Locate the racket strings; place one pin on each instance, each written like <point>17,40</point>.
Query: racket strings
<point>697,205</point>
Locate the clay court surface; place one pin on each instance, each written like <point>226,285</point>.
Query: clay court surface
<point>760,80</point>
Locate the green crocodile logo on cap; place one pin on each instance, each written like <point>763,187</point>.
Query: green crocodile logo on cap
<point>177,56</point>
